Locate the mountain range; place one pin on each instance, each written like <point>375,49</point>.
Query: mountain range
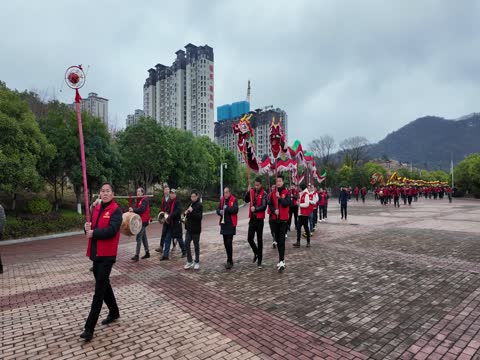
<point>431,142</point>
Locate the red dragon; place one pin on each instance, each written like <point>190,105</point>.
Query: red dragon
<point>278,142</point>
<point>246,143</point>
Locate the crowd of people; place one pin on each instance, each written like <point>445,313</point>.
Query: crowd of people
<point>410,193</point>
<point>304,206</point>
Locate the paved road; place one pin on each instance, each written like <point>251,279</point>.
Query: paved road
<point>388,284</point>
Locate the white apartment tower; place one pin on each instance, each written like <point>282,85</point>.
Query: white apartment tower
<point>182,95</point>
<point>95,106</point>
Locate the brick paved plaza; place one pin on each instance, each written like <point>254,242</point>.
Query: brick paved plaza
<point>389,284</point>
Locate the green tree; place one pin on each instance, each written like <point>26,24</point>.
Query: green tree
<point>345,176</point>
<point>22,145</point>
<point>467,174</point>
<point>146,153</point>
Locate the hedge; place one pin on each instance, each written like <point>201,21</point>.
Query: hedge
<point>42,224</point>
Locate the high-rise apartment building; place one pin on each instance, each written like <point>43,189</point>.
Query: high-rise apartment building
<point>132,119</point>
<point>182,95</point>
<point>95,106</point>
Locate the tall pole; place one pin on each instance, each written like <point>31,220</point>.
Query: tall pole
<point>221,178</point>
<point>82,155</point>
<point>75,78</point>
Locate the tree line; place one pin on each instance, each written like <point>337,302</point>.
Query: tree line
<point>39,149</point>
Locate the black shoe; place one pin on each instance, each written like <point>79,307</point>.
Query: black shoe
<point>297,245</point>
<point>91,269</point>
<point>134,258</point>
<point>228,265</point>
<point>110,319</point>
<point>184,255</point>
<point>159,250</point>
<point>163,258</point>
<point>308,244</point>
<point>146,256</point>
<point>86,335</point>
<point>255,257</point>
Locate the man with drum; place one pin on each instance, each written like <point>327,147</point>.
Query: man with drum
<point>103,235</point>
<point>173,226</point>
<point>142,208</point>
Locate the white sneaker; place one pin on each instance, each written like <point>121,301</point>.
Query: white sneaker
<point>188,265</point>
<point>274,244</point>
<point>286,235</point>
<point>281,266</point>
<point>196,266</point>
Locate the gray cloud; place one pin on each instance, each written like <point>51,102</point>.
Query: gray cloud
<point>339,67</point>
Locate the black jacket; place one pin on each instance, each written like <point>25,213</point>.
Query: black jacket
<point>174,221</point>
<point>343,198</point>
<point>193,222</point>
<point>227,228</point>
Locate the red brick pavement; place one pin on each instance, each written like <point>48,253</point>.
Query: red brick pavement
<point>342,309</point>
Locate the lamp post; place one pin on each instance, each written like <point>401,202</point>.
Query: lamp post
<point>221,178</point>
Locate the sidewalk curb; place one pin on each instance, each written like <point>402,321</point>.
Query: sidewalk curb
<point>72,233</point>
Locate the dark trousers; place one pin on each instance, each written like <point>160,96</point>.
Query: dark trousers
<point>293,213</point>
<point>142,238</point>
<point>325,212</point>
<point>363,198</point>
<point>255,226</point>
<point>270,224</point>
<point>228,243</point>
<point>103,292</point>
<point>409,200</point>
<point>279,230</point>
<point>168,240</point>
<point>322,212</point>
<point>196,243</point>
<point>315,216</point>
<point>162,238</point>
<point>404,199</point>
<point>303,222</point>
<point>343,210</point>
<point>396,201</point>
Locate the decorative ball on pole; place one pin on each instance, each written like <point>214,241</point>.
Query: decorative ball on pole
<point>75,79</point>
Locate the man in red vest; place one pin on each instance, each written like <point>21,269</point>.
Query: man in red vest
<point>363,192</point>
<point>257,197</point>
<point>356,192</point>
<point>142,208</point>
<point>228,212</point>
<point>304,211</point>
<point>103,235</point>
<point>280,206</point>
<point>396,196</point>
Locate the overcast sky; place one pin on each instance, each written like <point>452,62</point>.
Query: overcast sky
<point>337,67</point>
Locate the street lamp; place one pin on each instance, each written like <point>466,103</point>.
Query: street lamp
<point>221,178</point>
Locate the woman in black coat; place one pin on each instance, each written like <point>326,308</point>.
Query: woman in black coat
<point>228,210</point>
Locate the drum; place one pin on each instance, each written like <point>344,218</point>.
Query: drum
<point>131,224</point>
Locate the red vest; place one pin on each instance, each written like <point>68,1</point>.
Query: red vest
<point>284,210</point>
<point>305,211</point>
<point>273,216</point>
<point>105,247</point>
<point>146,214</point>
<point>231,201</point>
<point>322,199</point>
<point>310,197</point>
<point>260,215</point>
